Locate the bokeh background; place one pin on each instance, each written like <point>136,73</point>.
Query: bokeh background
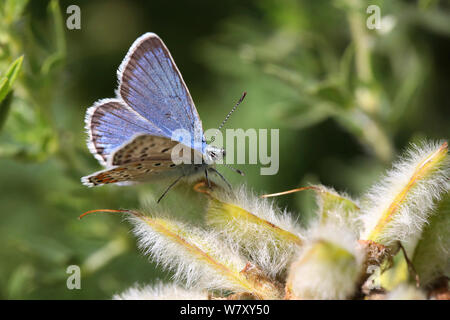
<point>345,98</point>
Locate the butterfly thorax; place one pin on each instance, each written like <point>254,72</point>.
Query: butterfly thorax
<point>213,154</point>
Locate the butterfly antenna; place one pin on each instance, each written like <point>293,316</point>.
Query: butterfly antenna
<point>234,169</point>
<point>228,116</point>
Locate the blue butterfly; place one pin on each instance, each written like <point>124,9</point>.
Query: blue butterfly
<point>132,135</point>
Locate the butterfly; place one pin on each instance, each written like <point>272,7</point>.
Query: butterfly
<point>132,135</point>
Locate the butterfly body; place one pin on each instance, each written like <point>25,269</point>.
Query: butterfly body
<point>132,135</point>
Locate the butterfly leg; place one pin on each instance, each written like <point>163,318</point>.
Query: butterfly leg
<point>221,176</point>
<point>207,179</point>
<point>169,187</point>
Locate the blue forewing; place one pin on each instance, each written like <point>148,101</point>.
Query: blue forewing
<point>152,98</point>
<point>151,84</point>
<point>110,124</point>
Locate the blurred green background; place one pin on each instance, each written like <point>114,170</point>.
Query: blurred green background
<point>345,98</point>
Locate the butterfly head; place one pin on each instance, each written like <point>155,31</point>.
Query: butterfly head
<point>214,154</point>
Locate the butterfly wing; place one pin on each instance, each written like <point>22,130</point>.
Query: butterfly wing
<point>144,147</point>
<point>133,172</point>
<point>143,158</point>
<point>132,134</point>
<point>110,124</point>
<point>151,84</point>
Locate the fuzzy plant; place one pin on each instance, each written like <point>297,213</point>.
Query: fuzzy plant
<point>392,243</point>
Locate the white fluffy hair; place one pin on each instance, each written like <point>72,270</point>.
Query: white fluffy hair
<point>413,213</point>
<point>339,214</point>
<point>195,259</point>
<point>161,291</point>
<point>262,247</point>
<point>311,278</point>
<point>406,292</point>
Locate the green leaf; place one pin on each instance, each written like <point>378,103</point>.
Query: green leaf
<point>7,81</point>
<point>4,108</point>
<point>3,83</point>
<point>331,202</point>
<point>431,256</point>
